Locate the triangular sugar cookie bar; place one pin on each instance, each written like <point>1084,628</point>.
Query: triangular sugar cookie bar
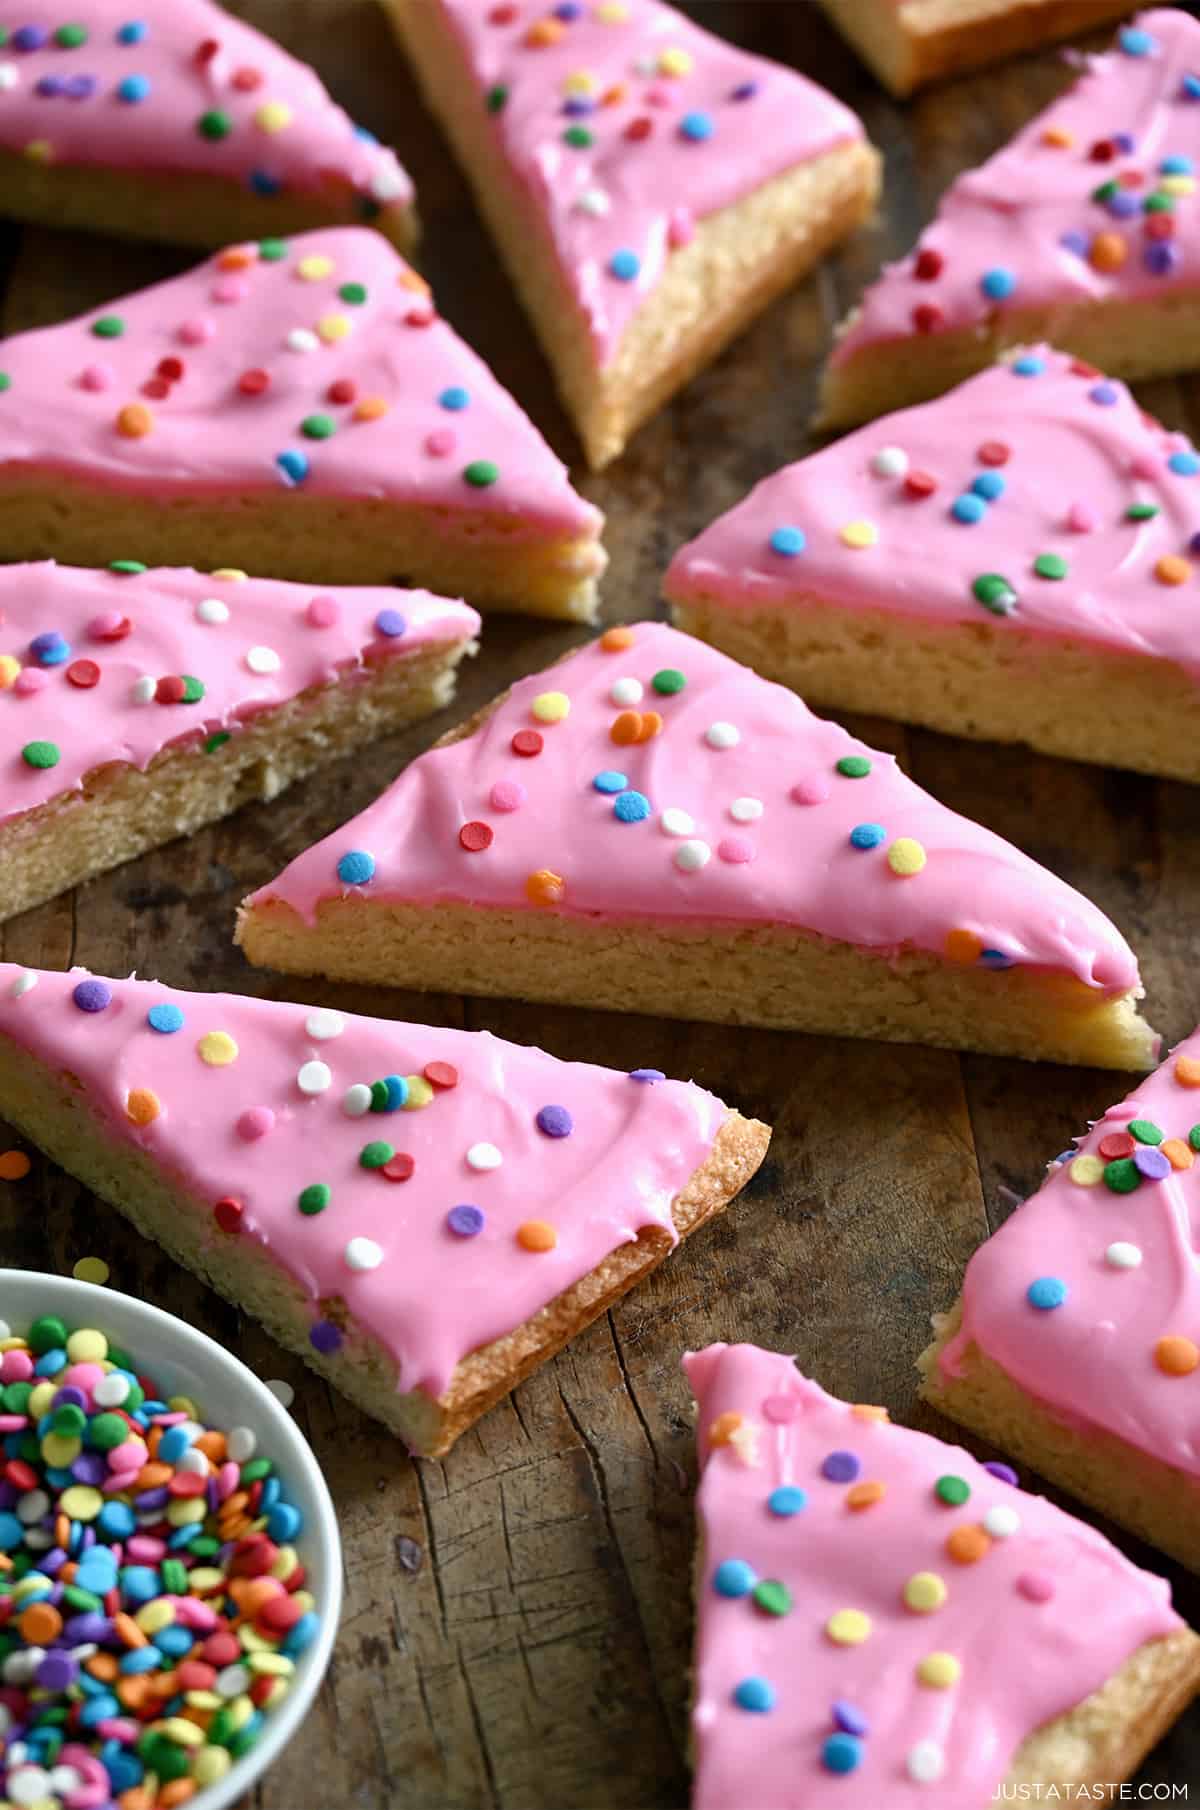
<point>1076,1341</point>
<point>883,1620</point>
<point>1013,561</point>
<point>423,1214</point>
<point>650,186</point>
<point>182,124</point>
<point>136,706</point>
<point>649,827</point>
<point>1083,230</point>
<point>299,407</point>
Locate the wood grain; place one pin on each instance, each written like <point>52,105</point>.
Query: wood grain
<point>518,1617</point>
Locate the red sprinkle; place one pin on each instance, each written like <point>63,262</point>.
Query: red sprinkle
<point>117,632</point>
<point>194,1675</point>
<point>20,1474</point>
<point>398,1168</point>
<point>527,742</point>
<point>994,452</point>
<point>929,264</point>
<point>260,1690</point>
<point>171,368</point>
<point>1131,179</point>
<point>253,383</point>
<point>1103,151</point>
<point>639,128</point>
<point>439,1074</point>
<point>343,390</point>
<point>920,484</point>
<point>1080,367</point>
<point>187,1483</point>
<point>85,674</point>
<point>247,80</point>
<point>206,50</point>
<point>927,317</point>
<point>228,1214</point>
<point>424,316</point>
<point>156,388</point>
<point>1159,226</point>
<point>1116,1144</point>
<point>502,15</point>
<point>170,690</point>
<point>475,837</point>
<point>279,1613</point>
<point>221,1648</point>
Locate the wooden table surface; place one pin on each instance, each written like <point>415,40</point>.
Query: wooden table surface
<point>518,1618</point>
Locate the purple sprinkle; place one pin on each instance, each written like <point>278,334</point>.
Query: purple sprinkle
<point>849,1719</point>
<point>325,1337</point>
<point>213,1496</point>
<point>465,1221</point>
<point>555,1122</point>
<point>89,1467</point>
<point>1106,394</point>
<point>390,623</point>
<point>92,996</point>
<point>87,1627</point>
<point>745,91</point>
<point>56,1672</point>
<point>9,1495</point>
<point>568,11</point>
<point>69,1397</point>
<point>1151,1162</point>
<point>841,1467</point>
<point>1160,257</point>
<point>995,1468</point>
<point>1125,142</point>
<point>579,106</point>
<point>647,1075</point>
<point>79,87</point>
<point>48,86</point>
<point>1076,242</point>
<point>1123,205</point>
<point>52,1561</point>
<point>151,1498</point>
<point>29,37</point>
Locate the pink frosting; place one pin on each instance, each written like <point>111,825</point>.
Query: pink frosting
<point>344,334</point>
<point>1029,229</point>
<point>1062,456</point>
<point>1127,1263</point>
<point>180,88</point>
<point>1040,1621</point>
<point>739,815</point>
<point>82,650</point>
<point>259,1129</point>
<point>624,123</point>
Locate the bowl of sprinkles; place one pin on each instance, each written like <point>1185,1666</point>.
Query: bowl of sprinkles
<point>170,1567</point>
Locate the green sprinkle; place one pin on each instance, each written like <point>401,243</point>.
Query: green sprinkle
<point>205,1547</point>
<point>69,1420</point>
<point>995,593</point>
<point>128,568</point>
<point>217,741</point>
<point>481,473</point>
<point>1105,192</point>
<point>82,1599</point>
<point>954,1491</point>
<point>353,292</point>
<point>214,124</point>
<point>375,1154</point>
<point>1193,1140</point>
<point>1122,1176</point>
<point>318,427</point>
<point>71,37</point>
<point>1141,512</point>
<point>497,98</point>
<point>16,1395</point>
<point>238,1744</point>
<point>272,250</point>
<point>47,1334</point>
<point>854,766</point>
<point>5,382</point>
<point>578,137</point>
<point>379,1096</point>
<point>315,1198</point>
<point>1159,204</point>
<point>772,1597</point>
<point>668,681</point>
<point>1050,565</point>
<point>193,688</point>
<point>1145,1131</point>
<point>256,1470</point>
<point>174,1576</point>
<point>41,754</point>
<point>108,326</point>
<point>108,1431</point>
<point>171,1762</point>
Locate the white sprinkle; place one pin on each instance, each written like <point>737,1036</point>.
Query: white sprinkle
<point>144,690</point>
<point>28,1785</point>
<point>232,1680</point>
<point>484,1156</point>
<point>363,1254</point>
<point>1122,1256</point>
<point>387,184</point>
<point>32,1506</point>
<point>301,339</point>
<point>890,462</point>
<point>324,1024</point>
<point>283,1392</point>
<point>241,1443</point>
<point>645,66</point>
<point>111,1390</point>
<point>746,810</point>
<point>692,856</point>
<point>263,660</point>
<point>192,1461</point>
<point>627,691</point>
<point>314,1078</point>
<point>212,610</point>
<point>19,1668</point>
<point>357,1100</point>
<point>6,1333</point>
<point>24,983</point>
<point>722,735</point>
<point>592,201</point>
<point>1001,1521</point>
<point>677,823</point>
<point>9,77</point>
<point>64,1779</point>
<point>39,1539</point>
<point>925,1762</point>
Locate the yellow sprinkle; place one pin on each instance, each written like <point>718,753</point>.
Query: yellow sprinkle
<point>848,1627</point>
<point>273,116</point>
<point>315,266</point>
<point>551,706</point>
<point>252,1641</point>
<point>183,1732</point>
<point>612,12</point>
<point>1177,185</point>
<point>674,62</point>
<point>9,668</point>
<point>238,1713</point>
<point>211,1764</point>
<point>41,1396</point>
<point>203,1579</point>
<point>906,856</point>
<point>305,1599</point>
<point>87,1347</point>
<point>939,1671</point>
<point>232,573</point>
<point>30,1589</point>
<point>286,1560</point>
<point>924,1592</point>
<point>273,1665</point>
<point>80,1502</point>
<point>217,1048</point>
<point>39,150</point>
<point>183,1404</point>
<point>153,1617</point>
<point>186,1509</point>
<point>420,1093</point>
<point>91,1269</point>
<point>1086,1171</point>
<point>202,1699</point>
<point>59,1450</point>
<point>333,327</point>
<point>859,534</point>
<point>13,1344</point>
<point>580,81</point>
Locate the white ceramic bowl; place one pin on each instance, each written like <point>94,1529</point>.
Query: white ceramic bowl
<point>185,1362</point>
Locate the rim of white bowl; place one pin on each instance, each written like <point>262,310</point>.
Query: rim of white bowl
<point>26,1294</point>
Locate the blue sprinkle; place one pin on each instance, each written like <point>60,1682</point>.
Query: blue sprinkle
<point>263,183</point>
<point>390,623</point>
<point>51,1362</point>
<point>356,868</point>
<point>1137,43</point>
<point>12,1532</point>
<point>124,1769</point>
<point>842,1753</point>
<point>1189,88</point>
<point>1176,165</point>
<point>697,127</point>
<point>301,1635</point>
<point>968,508</point>
<point>734,1577</point>
<point>610,782</point>
<point>141,1659</point>
<point>397,1092</point>
<point>1028,366</point>
<point>455,398</point>
<point>568,11</point>
<point>165,1018</point>
<point>996,958</point>
<point>624,265</point>
<point>174,1642</point>
<point>1076,242</point>
<point>1046,1292</point>
<point>867,835</point>
<point>173,1444</point>
<point>367,137</point>
<point>745,91</point>
<point>788,542</point>
<point>631,807</point>
<point>1184,464</point>
<point>294,465</point>
<point>647,1076</point>
<point>99,1709</point>
<point>134,33</point>
<point>998,284</point>
<point>1106,395</point>
<point>989,485</point>
<point>50,649</point>
<point>787,1500</point>
<point>284,1523</point>
<point>755,1694</point>
<point>133,88</point>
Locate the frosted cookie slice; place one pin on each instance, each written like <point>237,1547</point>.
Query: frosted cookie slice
<point>649,827</point>
<point>883,1620</point>
<point>300,406</point>
<point>182,124</point>
<point>909,43</point>
<point>650,187</point>
<point>1076,1341</point>
<point>1083,230</point>
<point>424,1215</point>
<point>137,705</point>
<point>1014,561</point>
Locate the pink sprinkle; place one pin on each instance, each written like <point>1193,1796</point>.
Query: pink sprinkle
<point>96,377</point>
<point>87,1797</point>
<point>659,97</point>
<point>1081,519</point>
<point>255,1123</point>
<point>29,680</point>
<point>508,795</point>
<point>144,1549</point>
<point>16,1367</point>
<point>781,1409</point>
<point>118,1728</point>
<point>814,790</point>
<point>228,1478</point>
<point>13,1423</point>
<point>1143,466</point>
<point>81,1376</point>
<point>230,289</point>
<point>196,332</point>
<point>110,626</point>
<point>1036,1586</point>
<point>681,228</point>
<point>128,1457</point>
<point>735,849</point>
<point>441,442</point>
<point>322,612</point>
<point>195,1614</point>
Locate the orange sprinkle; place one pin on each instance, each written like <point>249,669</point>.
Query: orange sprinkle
<point>212,1444</point>
<point>963,946</point>
<point>238,257</point>
<point>1108,251</point>
<point>1176,1356</point>
<point>536,1235</point>
<point>154,1476</point>
<point>62,1532</point>
<point>135,421</point>
<point>1187,1071</point>
<point>1177,1153</point>
<point>102,1666</point>
<point>627,728</point>
<point>544,33</point>
<point>616,640</point>
<point>1172,569</point>
<point>14,1165</point>
<point>409,279</point>
<point>862,1495</point>
<point>866,1411</point>
<point>233,1505</point>
<point>1058,137</point>
<point>136,1798</point>
<point>142,1105</point>
<point>652,725</point>
<point>544,887</point>
<point>177,1792</point>
<point>967,1544</point>
<point>612,97</point>
<point>723,1428</point>
<point>40,1623</point>
<point>370,408</point>
<point>132,1692</point>
<point>127,1630</point>
<point>256,1591</point>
